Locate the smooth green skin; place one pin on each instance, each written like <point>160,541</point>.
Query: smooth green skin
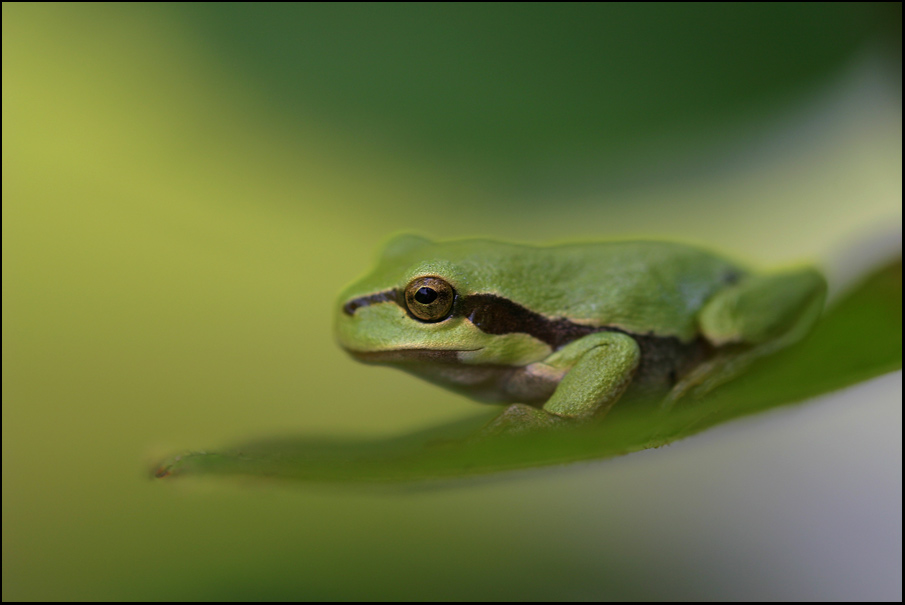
<point>640,287</point>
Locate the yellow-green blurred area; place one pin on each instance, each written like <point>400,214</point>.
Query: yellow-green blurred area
<point>186,188</point>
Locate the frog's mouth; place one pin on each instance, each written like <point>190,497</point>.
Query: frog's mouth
<point>450,356</point>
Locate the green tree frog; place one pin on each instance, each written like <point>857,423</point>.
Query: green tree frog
<point>563,332</point>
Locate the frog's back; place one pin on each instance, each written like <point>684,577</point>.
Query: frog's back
<point>641,287</point>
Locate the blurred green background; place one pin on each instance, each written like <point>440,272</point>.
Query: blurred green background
<point>186,187</point>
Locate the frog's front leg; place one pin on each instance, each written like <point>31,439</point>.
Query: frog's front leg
<point>756,317</point>
<point>595,370</point>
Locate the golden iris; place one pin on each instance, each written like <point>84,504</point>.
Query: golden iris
<point>429,298</point>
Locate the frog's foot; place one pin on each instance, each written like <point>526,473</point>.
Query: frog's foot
<point>689,384</point>
<point>518,419</point>
<point>709,375</point>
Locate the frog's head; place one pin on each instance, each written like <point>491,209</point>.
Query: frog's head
<point>428,307</point>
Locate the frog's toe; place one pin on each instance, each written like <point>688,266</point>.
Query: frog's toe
<point>519,418</point>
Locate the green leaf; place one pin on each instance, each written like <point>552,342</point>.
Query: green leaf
<point>858,338</point>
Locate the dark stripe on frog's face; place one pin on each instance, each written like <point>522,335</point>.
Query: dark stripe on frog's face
<point>391,295</point>
<point>493,314</point>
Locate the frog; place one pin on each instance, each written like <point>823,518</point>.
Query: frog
<point>561,333</point>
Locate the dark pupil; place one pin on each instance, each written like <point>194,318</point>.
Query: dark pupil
<point>426,296</point>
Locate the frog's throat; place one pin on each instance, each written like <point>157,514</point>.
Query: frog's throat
<point>490,383</point>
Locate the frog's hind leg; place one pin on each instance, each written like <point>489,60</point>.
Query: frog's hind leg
<point>753,318</point>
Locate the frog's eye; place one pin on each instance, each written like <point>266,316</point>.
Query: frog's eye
<point>429,298</point>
